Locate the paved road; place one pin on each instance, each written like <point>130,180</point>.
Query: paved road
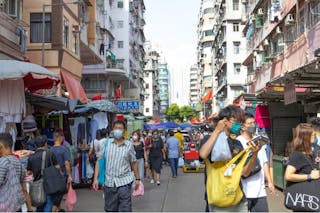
<point>184,194</point>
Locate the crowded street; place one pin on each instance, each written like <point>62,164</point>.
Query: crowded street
<point>159,106</point>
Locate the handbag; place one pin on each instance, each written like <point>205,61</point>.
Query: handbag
<point>93,156</point>
<point>71,199</point>
<point>303,196</point>
<point>223,180</point>
<point>53,181</point>
<point>36,191</point>
<point>12,196</point>
<point>102,166</point>
<point>255,169</point>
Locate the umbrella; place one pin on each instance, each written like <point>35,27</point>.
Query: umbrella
<point>102,105</point>
<point>35,76</point>
<point>185,125</point>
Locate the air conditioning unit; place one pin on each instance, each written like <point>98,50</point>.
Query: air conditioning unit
<point>223,5</point>
<point>278,30</point>
<point>260,12</point>
<point>266,42</point>
<point>289,19</point>
<point>2,3</point>
<point>244,1</point>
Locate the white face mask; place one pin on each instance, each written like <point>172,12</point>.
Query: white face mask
<point>135,138</point>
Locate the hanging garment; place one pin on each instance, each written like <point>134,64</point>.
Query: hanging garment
<point>93,127</point>
<point>102,119</point>
<point>101,51</point>
<point>12,101</point>
<point>262,116</point>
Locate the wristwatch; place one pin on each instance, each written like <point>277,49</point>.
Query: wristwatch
<point>309,177</point>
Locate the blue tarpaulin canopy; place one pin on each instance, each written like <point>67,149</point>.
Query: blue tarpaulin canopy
<point>185,125</point>
<point>166,125</point>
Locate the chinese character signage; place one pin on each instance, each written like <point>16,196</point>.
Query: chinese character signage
<point>127,105</point>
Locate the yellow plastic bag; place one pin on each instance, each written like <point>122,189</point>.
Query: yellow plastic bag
<point>223,180</point>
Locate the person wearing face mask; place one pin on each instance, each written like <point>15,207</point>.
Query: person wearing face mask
<point>229,121</point>
<point>254,185</point>
<point>121,170</point>
<point>157,153</point>
<point>141,154</point>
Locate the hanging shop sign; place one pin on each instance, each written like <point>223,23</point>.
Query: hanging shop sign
<point>290,95</point>
<point>127,106</point>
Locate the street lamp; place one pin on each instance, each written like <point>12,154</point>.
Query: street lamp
<point>43,24</point>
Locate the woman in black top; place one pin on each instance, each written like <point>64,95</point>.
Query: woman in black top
<point>302,166</point>
<point>140,153</point>
<point>156,153</point>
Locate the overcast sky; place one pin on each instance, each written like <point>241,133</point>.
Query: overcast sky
<point>171,26</point>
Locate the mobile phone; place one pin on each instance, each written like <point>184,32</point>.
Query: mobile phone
<point>262,140</point>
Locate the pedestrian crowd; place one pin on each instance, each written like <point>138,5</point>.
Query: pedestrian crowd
<point>237,157</point>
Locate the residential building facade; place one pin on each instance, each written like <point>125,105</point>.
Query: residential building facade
<point>59,51</point>
<point>204,53</point>
<point>151,77</point>
<point>283,50</point>
<point>163,82</point>
<point>12,34</point>
<point>228,53</point>
<point>194,95</point>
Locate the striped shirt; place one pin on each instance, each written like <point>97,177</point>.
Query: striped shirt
<point>118,166</point>
<point>4,168</point>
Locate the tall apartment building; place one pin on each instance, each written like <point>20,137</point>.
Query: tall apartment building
<point>228,51</point>
<point>283,50</point>
<point>163,82</point>
<point>204,53</point>
<point>194,96</point>
<point>119,42</point>
<point>151,78</point>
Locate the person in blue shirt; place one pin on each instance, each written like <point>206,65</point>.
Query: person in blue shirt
<point>173,153</point>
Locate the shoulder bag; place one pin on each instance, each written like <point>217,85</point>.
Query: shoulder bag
<point>102,166</point>
<point>12,196</point>
<point>255,169</point>
<point>223,180</point>
<point>303,196</point>
<point>37,194</point>
<point>54,181</point>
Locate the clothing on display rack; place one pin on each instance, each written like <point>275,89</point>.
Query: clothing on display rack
<point>74,129</point>
<point>102,119</point>
<point>262,117</point>
<point>93,127</point>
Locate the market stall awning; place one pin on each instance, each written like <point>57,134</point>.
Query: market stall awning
<point>74,88</point>
<point>102,105</point>
<point>52,102</point>
<point>208,96</point>
<point>35,77</point>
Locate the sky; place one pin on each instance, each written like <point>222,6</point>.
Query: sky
<point>171,26</point>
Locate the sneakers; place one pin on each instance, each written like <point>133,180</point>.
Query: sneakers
<point>158,183</point>
<point>152,181</point>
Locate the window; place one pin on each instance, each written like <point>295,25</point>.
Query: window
<point>120,44</point>
<point>65,32</point>
<point>208,10</point>
<point>236,48</point>
<point>120,63</point>
<point>11,7</point>
<point>235,4</point>
<point>36,28</point>
<point>120,24</point>
<point>75,43</point>
<point>301,23</point>
<point>208,32</point>
<point>207,44</point>
<point>291,33</point>
<point>235,27</point>
<point>147,85</point>
<point>120,4</point>
<point>237,68</point>
<point>94,84</point>
<point>314,15</point>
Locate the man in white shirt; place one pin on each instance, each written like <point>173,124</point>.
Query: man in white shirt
<point>254,185</point>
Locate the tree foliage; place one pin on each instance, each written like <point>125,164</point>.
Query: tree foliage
<point>182,114</point>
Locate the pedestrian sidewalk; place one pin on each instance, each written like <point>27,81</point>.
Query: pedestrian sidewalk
<point>182,194</point>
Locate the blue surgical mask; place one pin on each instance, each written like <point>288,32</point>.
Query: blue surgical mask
<point>117,133</point>
<point>235,128</point>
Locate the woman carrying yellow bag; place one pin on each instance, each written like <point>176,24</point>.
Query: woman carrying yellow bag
<point>223,178</point>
